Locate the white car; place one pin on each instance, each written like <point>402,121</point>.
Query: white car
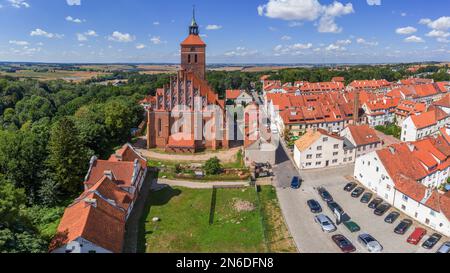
<point>445,248</point>
<point>372,245</point>
<point>325,223</point>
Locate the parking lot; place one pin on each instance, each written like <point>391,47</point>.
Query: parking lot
<point>308,234</point>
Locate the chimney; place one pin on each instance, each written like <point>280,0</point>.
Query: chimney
<point>392,150</point>
<point>109,174</point>
<point>91,202</point>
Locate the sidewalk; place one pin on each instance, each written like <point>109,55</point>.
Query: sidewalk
<point>199,185</point>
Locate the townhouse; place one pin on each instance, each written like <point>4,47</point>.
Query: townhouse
<point>332,111</point>
<point>409,176</point>
<point>407,108</point>
<point>238,97</point>
<point>417,127</point>
<point>380,111</point>
<point>372,86</point>
<point>318,148</point>
<point>95,221</point>
<point>362,138</point>
<point>426,93</point>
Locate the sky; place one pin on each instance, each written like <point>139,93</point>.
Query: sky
<point>236,31</point>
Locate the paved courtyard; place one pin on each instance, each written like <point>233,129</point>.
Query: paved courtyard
<point>308,235</point>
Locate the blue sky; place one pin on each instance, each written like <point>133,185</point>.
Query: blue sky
<point>236,31</point>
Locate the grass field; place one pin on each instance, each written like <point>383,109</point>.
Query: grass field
<point>237,222</point>
<point>76,76</point>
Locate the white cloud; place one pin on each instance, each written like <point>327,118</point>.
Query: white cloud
<point>156,23</point>
<point>19,4</point>
<point>42,33</point>
<point>414,39</point>
<point>293,49</point>
<point>213,27</point>
<point>442,23</point>
<point>82,37</point>
<point>156,40</point>
<point>74,20</point>
<point>374,2</point>
<point>438,34</point>
<point>335,47</point>
<point>19,43</point>
<point>295,24</point>
<point>406,30</point>
<point>362,41</point>
<point>307,10</point>
<point>240,51</point>
<point>140,46</point>
<point>403,14</point>
<point>344,42</point>
<point>117,36</point>
<point>286,38</point>
<point>73,2</point>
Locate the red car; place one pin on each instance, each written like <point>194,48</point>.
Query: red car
<point>343,243</point>
<point>416,236</point>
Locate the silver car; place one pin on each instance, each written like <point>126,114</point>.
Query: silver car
<point>325,223</point>
<point>445,248</point>
<point>372,245</point>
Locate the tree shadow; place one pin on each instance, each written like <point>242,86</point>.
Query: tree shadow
<point>154,199</point>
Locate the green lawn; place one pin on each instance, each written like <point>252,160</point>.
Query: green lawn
<point>185,222</point>
<point>391,130</point>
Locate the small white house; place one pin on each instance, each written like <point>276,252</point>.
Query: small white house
<point>407,176</point>
<point>318,148</point>
<point>417,127</point>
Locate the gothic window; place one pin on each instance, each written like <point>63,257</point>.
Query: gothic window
<point>196,58</point>
<point>189,58</point>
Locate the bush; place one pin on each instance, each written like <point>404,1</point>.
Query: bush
<point>212,166</point>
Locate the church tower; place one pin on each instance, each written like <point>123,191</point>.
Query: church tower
<point>193,51</point>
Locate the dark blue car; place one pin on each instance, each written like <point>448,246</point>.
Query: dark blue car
<point>314,206</point>
<point>295,184</point>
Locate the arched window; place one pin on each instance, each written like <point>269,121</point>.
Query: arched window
<point>196,58</point>
<point>189,58</point>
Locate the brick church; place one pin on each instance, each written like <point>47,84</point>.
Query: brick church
<point>181,110</point>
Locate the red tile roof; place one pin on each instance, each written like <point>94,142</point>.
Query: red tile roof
<point>429,118</point>
<point>363,135</point>
<point>194,40</point>
<point>122,172</point>
<point>128,154</point>
<point>233,94</point>
<point>102,224</point>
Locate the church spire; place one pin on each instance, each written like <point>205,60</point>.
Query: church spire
<point>193,28</point>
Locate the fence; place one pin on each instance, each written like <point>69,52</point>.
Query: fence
<point>263,222</point>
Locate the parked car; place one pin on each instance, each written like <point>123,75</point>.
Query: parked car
<point>403,227</point>
<point>416,236</point>
<point>357,192</point>
<point>445,248</point>
<point>326,196</point>
<point>352,226</point>
<point>375,203</point>
<point>432,241</point>
<point>295,183</point>
<point>314,206</point>
<point>343,243</point>
<point>350,186</point>
<point>366,198</point>
<point>370,243</point>
<point>382,209</point>
<point>392,217</point>
<point>325,223</point>
<point>335,207</point>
